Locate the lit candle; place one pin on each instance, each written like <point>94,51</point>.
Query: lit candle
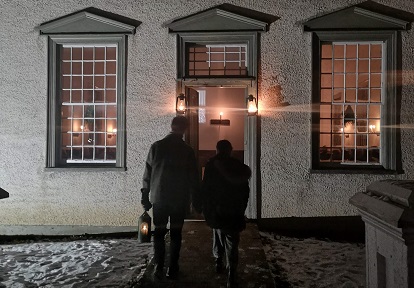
<point>144,228</point>
<point>181,105</point>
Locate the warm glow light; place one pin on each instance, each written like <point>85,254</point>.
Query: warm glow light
<point>180,105</point>
<point>372,128</point>
<point>221,113</point>
<point>113,133</point>
<point>349,127</point>
<point>81,127</point>
<point>251,105</point>
<point>144,228</point>
<point>251,108</point>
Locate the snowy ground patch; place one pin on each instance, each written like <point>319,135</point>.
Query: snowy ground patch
<point>314,263</point>
<point>82,263</point>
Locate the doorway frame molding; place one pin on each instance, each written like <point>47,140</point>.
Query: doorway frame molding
<point>227,24</point>
<point>250,132</point>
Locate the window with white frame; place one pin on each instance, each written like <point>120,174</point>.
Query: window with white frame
<point>217,60</point>
<point>351,78</point>
<point>355,92</point>
<point>86,89</point>
<point>217,55</point>
<point>88,103</point>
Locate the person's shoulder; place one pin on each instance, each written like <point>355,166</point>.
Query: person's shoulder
<point>211,160</point>
<point>235,162</point>
<point>241,168</point>
<point>157,143</point>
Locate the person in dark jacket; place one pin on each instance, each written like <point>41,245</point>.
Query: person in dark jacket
<point>225,193</point>
<point>169,179</point>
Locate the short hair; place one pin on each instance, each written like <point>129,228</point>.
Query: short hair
<point>179,124</point>
<point>224,146</point>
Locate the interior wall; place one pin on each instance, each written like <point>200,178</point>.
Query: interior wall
<point>230,101</point>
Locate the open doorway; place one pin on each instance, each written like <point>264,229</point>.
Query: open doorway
<point>216,113</point>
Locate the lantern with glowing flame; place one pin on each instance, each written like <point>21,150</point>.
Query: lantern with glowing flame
<point>251,105</point>
<point>180,104</point>
<point>144,228</point>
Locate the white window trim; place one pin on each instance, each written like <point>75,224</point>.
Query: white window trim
<point>53,143</point>
<point>357,103</point>
<point>250,39</point>
<point>389,101</point>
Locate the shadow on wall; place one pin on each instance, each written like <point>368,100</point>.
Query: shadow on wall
<point>3,193</point>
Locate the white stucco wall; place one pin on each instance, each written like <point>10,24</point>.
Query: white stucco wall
<point>39,197</point>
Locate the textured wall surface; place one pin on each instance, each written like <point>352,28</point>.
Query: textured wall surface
<point>39,197</point>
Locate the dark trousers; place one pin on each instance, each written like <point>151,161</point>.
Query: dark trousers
<point>176,215</point>
<point>227,242</point>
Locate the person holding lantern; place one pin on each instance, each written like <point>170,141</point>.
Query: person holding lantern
<point>170,180</point>
<point>225,193</point>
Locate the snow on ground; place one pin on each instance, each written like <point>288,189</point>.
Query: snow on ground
<point>82,263</point>
<point>314,263</point>
<point>294,262</point>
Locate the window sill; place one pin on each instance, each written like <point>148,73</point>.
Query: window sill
<point>84,169</point>
<point>355,171</point>
<point>236,77</point>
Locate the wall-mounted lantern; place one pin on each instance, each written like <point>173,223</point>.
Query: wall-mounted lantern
<point>144,228</point>
<point>251,105</point>
<point>180,105</point>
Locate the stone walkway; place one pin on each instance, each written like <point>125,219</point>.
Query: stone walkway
<point>196,261</point>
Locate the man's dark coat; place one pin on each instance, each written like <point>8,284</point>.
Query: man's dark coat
<point>171,171</point>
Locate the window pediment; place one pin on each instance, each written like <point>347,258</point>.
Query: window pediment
<point>356,18</point>
<point>219,19</point>
<point>85,22</point>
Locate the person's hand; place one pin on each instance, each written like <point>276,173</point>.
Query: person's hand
<point>146,204</point>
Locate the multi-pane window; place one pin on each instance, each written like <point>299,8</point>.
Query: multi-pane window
<point>351,89</point>
<point>88,103</point>
<point>86,91</point>
<point>217,60</point>
<point>355,87</point>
